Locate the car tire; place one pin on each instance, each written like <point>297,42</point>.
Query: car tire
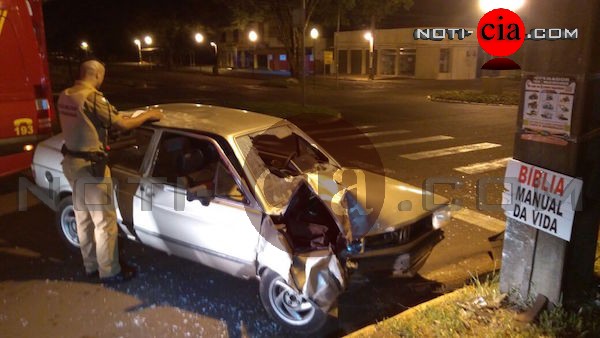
<point>289,308</point>
<point>66,225</point>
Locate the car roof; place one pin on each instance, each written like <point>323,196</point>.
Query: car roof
<point>221,121</point>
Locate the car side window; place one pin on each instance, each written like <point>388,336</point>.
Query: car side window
<point>188,162</point>
<point>129,152</point>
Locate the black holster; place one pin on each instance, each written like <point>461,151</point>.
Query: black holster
<point>98,160</point>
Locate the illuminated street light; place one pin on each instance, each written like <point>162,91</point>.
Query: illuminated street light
<point>216,65</point>
<point>369,37</point>
<point>488,5</point>
<point>314,34</point>
<point>253,37</point>
<point>199,38</point>
<point>85,47</point>
<point>138,43</point>
<point>148,40</point>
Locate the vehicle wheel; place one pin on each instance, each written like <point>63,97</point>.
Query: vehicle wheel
<point>65,222</point>
<point>289,308</point>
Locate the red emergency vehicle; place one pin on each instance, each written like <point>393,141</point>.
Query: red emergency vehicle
<point>26,107</point>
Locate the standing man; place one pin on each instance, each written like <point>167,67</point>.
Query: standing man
<point>86,118</point>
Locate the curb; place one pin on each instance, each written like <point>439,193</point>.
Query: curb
<point>481,264</point>
<point>433,99</point>
<point>371,330</point>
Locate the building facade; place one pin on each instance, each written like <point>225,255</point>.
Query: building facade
<point>397,53</point>
<point>268,52</point>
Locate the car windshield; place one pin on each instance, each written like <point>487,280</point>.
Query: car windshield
<point>277,158</point>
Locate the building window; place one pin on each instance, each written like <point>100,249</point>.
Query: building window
<point>282,57</point>
<point>445,60</point>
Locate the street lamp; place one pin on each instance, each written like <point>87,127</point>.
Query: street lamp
<point>253,37</point>
<point>314,34</point>
<point>199,38</point>
<point>148,40</point>
<point>216,65</point>
<point>138,43</point>
<point>369,37</point>
<point>85,46</point>
<point>488,5</point>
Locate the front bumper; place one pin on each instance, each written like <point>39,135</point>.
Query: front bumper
<point>402,260</point>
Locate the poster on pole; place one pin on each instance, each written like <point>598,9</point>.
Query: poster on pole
<point>328,57</point>
<point>543,199</point>
<point>548,104</point>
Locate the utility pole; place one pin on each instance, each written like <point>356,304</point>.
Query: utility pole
<point>560,80</point>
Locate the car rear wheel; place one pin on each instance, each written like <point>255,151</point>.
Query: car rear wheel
<point>288,307</point>
<point>66,224</point>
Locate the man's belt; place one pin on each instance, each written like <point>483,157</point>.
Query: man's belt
<point>86,155</point>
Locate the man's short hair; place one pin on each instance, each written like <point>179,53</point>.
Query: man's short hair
<point>90,67</point>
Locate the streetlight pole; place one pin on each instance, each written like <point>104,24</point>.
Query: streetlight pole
<point>148,41</point>
<point>216,65</point>
<point>138,43</point>
<point>314,34</point>
<point>303,54</point>
<point>369,37</point>
<point>85,47</point>
<point>252,36</point>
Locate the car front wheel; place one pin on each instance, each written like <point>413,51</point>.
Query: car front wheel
<point>288,307</point>
<point>66,224</point>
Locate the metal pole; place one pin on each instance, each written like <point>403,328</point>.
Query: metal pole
<point>337,51</point>
<point>371,70</point>
<point>303,53</point>
<point>314,49</point>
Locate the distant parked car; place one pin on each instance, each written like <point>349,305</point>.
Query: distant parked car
<point>253,196</point>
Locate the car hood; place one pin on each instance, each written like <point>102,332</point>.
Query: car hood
<point>374,205</point>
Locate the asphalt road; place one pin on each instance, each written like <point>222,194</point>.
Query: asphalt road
<point>387,126</point>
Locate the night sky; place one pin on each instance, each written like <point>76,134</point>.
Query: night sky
<point>111,25</point>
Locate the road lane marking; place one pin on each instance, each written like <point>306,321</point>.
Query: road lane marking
<point>450,151</point>
<point>406,142</point>
<point>481,167</point>
<point>481,220</point>
<point>371,134</point>
<point>335,130</point>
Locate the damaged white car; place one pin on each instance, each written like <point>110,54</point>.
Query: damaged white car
<point>254,196</point>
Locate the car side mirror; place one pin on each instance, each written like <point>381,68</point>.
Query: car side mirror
<point>202,193</point>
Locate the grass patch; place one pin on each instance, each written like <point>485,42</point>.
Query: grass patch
<point>280,83</point>
<point>290,110</point>
<point>508,97</point>
<point>480,310</point>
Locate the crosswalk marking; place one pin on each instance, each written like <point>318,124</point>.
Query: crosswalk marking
<point>483,221</point>
<point>482,167</point>
<point>450,151</point>
<point>406,142</point>
<point>342,129</point>
<point>371,134</point>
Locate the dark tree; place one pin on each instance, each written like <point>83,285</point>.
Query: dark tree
<point>285,16</point>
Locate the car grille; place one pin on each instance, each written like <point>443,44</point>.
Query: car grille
<point>400,236</point>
